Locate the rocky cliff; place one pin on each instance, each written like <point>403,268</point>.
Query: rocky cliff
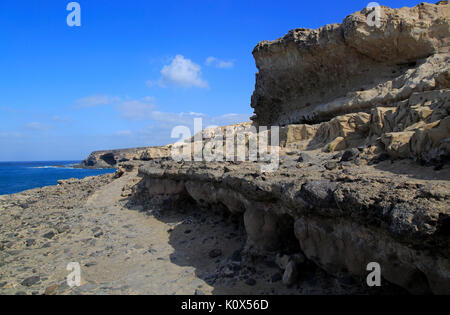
<point>342,215</point>
<point>364,151</point>
<point>311,76</point>
<point>110,158</point>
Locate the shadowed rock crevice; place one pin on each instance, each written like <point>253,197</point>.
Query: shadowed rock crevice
<point>109,158</point>
<point>340,225</point>
<point>242,253</point>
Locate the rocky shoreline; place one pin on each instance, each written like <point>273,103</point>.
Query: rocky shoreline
<point>333,208</point>
<point>124,247</point>
<point>363,177</point>
<point>125,229</point>
<point>108,159</point>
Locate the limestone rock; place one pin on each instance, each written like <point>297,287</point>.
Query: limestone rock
<point>111,158</point>
<point>341,224</point>
<point>431,141</point>
<point>155,153</point>
<point>282,261</point>
<point>290,274</point>
<point>374,94</point>
<point>397,143</point>
<point>311,76</point>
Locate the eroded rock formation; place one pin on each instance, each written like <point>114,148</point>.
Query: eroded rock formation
<point>343,219</point>
<point>112,158</point>
<point>364,151</point>
<point>310,76</point>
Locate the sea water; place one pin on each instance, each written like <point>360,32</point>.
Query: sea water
<point>19,176</point>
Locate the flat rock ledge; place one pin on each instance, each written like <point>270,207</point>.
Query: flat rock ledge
<point>342,215</point>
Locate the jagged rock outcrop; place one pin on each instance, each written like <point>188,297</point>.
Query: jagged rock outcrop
<point>155,153</point>
<point>311,76</point>
<point>112,158</point>
<point>343,219</point>
<point>417,128</point>
<point>357,107</point>
<point>352,84</point>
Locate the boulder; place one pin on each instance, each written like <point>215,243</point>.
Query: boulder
<point>290,274</point>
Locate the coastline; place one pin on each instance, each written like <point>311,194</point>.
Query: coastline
<point>16,177</point>
<point>125,247</point>
<point>350,196</point>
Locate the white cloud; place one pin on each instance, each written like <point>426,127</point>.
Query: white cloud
<point>187,119</point>
<point>95,100</point>
<point>123,133</point>
<point>149,99</point>
<point>174,118</point>
<point>36,126</point>
<point>60,119</point>
<point>136,109</point>
<point>181,72</point>
<point>14,134</point>
<point>161,123</point>
<point>131,109</point>
<point>145,109</point>
<point>160,132</point>
<point>229,119</point>
<point>221,64</point>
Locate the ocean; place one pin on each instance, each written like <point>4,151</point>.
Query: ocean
<point>19,176</point>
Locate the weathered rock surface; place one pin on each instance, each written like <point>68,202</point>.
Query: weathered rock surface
<point>311,76</point>
<point>124,248</point>
<point>352,102</point>
<point>111,158</point>
<point>358,107</point>
<point>114,158</point>
<point>342,219</point>
<point>417,128</point>
<point>155,153</point>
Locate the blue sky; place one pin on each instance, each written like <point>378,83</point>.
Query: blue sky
<point>134,69</point>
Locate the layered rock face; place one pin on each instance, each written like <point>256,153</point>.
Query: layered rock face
<point>310,76</point>
<point>364,152</point>
<point>417,128</point>
<point>343,218</point>
<point>352,84</point>
<point>112,158</point>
